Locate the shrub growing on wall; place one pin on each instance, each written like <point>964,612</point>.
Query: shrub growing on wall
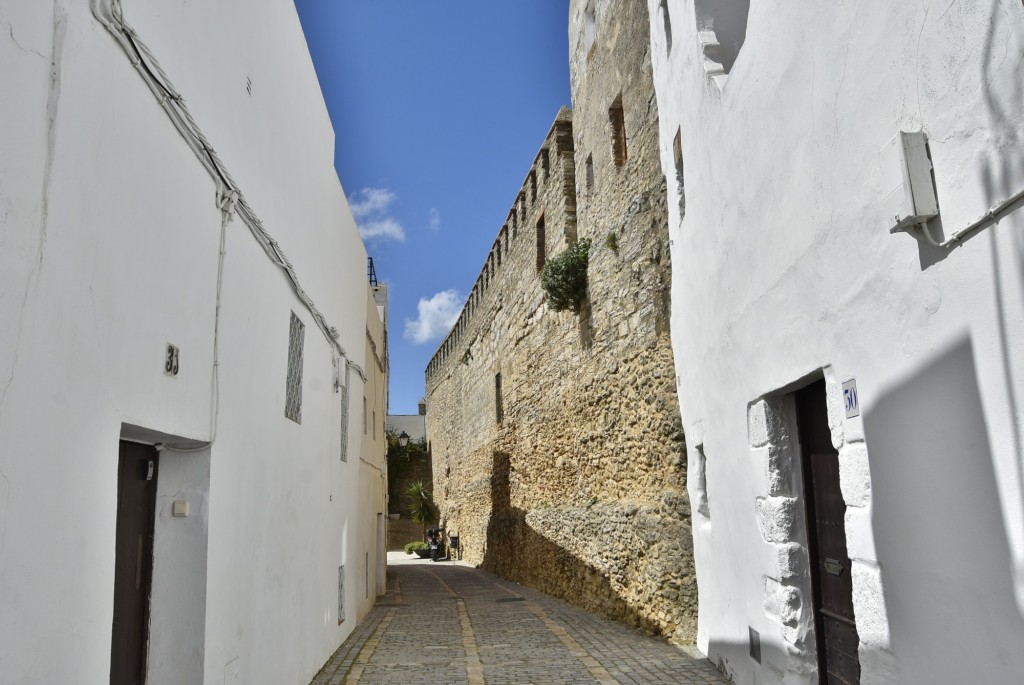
<point>564,278</point>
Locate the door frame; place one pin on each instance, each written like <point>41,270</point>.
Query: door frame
<point>132,455</point>
<point>806,493</point>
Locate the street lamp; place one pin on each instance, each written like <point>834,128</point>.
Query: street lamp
<point>403,439</point>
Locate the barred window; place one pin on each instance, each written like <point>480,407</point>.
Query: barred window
<point>341,594</point>
<point>293,388</point>
<point>344,414</point>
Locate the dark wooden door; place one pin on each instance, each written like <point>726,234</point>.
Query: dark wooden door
<point>133,562</point>
<point>835,626</point>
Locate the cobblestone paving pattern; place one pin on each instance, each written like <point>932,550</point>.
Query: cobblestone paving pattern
<point>450,623</point>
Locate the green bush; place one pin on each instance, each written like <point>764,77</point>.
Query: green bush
<point>415,545</point>
<point>564,278</point>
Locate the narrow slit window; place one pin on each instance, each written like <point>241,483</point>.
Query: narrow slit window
<point>499,410</point>
<point>617,118</point>
<point>293,387</point>
<point>364,414</point>
<point>590,172</point>
<point>540,244</point>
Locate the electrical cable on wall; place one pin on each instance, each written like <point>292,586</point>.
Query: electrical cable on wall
<point>174,105</point>
<point>226,202</point>
<point>994,214</point>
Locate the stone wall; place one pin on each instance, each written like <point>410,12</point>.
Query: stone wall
<point>556,438</point>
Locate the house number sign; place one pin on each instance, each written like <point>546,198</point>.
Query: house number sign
<point>850,399</point>
<point>171,360</point>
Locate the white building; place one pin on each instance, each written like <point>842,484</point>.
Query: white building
<point>792,300</point>
<point>163,289</point>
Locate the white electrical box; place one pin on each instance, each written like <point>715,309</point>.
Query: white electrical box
<point>908,190</point>
<point>180,508</point>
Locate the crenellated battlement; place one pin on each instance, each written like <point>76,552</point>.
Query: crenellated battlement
<point>546,198</point>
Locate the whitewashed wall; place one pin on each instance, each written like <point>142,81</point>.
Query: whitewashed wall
<point>108,250</point>
<point>783,267</point>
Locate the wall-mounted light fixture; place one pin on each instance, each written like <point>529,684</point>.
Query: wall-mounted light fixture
<point>403,439</point>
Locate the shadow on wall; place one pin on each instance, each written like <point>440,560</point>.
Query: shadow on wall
<point>1005,110</point>
<point>516,552</point>
<point>939,530</point>
<point>1000,179</point>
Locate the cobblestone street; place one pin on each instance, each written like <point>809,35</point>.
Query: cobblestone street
<point>451,623</point>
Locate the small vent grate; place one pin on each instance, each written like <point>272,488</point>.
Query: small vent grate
<point>293,390</point>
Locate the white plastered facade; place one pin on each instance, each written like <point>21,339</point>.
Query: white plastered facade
<point>109,242</point>
<point>784,270</point>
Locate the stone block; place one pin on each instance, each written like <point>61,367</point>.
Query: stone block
<point>860,535</point>
<point>783,603</point>
<point>791,561</point>
<point>777,518</point>
<point>855,475</point>
<point>757,424</point>
<point>869,605</point>
<point>836,407</point>
<point>780,470</point>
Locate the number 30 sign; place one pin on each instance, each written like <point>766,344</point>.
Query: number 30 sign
<point>850,399</point>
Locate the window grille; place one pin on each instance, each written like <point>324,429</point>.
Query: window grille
<point>344,414</point>
<point>293,389</point>
<point>341,594</point>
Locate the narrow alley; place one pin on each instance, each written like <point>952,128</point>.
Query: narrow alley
<point>452,623</point>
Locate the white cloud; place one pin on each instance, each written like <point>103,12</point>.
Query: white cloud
<point>435,219</point>
<point>436,317</point>
<point>370,208</point>
<point>370,201</point>
<point>386,227</point>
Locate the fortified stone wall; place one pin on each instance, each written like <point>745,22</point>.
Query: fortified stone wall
<point>556,437</point>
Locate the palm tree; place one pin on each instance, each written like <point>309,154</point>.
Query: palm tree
<point>422,506</point>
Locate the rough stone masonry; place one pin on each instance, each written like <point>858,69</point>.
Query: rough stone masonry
<point>556,439</point>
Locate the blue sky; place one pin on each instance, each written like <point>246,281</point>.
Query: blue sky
<point>439,109</point>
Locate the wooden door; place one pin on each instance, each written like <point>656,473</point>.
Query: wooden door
<point>133,562</point>
<point>834,622</point>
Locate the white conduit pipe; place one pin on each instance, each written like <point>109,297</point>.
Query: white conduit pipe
<point>174,105</point>
<point>992,215</point>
